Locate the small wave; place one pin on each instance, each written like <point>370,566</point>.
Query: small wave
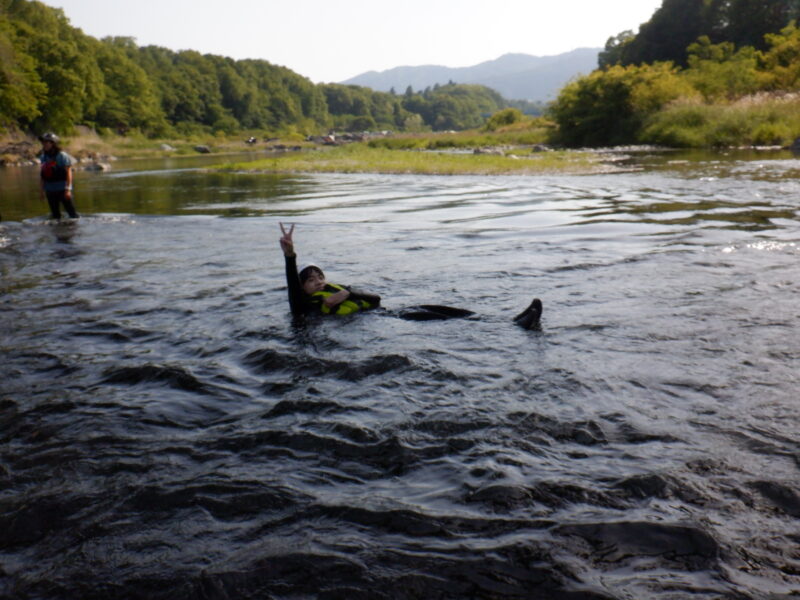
<point>779,495</point>
<point>269,361</point>
<point>222,499</point>
<point>175,377</point>
<point>552,495</point>
<point>289,407</point>
<point>113,332</point>
<point>585,433</point>
<point>688,545</point>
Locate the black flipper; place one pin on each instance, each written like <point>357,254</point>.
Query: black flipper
<point>530,317</point>
<point>433,312</point>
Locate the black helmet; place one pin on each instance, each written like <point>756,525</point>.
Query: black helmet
<point>49,137</point>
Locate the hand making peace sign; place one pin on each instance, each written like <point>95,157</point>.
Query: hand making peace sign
<point>287,245</point>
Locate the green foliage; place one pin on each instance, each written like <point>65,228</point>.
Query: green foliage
<point>719,72</point>
<point>610,106</point>
<point>62,63</point>
<point>679,23</point>
<point>129,98</point>
<point>442,108</point>
<point>612,53</point>
<point>528,132</point>
<point>21,89</point>
<point>752,121</point>
<point>457,106</point>
<point>375,110</point>
<point>675,25</point>
<point>781,62</point>
<point>503,118</point>
<point>364,123</point>
<point>53,76</point>
<point>724,96</point>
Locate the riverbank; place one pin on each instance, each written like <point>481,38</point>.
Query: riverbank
<point>90,148</point>
<point>362,158</point>
<point>86,146</point>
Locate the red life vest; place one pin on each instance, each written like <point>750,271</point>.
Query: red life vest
<point>51,171</point>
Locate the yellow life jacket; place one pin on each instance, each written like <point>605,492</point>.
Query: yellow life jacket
<point>348,307</point>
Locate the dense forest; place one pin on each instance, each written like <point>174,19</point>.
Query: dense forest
<point>679,23</point>
<point>53,76</point>
<point>699,73</point>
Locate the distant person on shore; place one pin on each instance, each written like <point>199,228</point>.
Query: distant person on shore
<point>56,177</point>
<point>310,293</point>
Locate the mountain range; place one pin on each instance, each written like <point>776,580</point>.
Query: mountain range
<point>515,76</point>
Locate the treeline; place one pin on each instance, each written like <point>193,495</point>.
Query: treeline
<point>439,108</point>
<point>679,23</point>
<point>53,76</point>
<point>708,93</point>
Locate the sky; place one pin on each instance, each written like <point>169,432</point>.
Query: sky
<point>334,40</point>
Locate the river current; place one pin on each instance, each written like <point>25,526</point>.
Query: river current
<point>166,432</point>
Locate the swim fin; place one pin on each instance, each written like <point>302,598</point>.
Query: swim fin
<point>530,317</point>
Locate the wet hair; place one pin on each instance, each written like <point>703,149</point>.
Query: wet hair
<point>306,272</point>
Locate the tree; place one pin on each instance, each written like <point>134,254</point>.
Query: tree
<point>21,91</point>
<point>719,72</point>
<point>610,106</point>
<point>675,25</point>
<point>780,65</point>
<point>679,23</point>
<point>63,63</point>
<point>129,98</point>
<point>363,123</point>
<point>612,54</point>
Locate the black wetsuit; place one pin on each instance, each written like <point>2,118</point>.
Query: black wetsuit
<point>302,304</point>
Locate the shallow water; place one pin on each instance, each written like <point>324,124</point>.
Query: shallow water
<point>167,433</point>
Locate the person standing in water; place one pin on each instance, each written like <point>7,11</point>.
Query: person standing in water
<point>310,293</point>
<point>56,177</point>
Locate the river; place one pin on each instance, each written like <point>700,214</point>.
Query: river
<point>167,433</point>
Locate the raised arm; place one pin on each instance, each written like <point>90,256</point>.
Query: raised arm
<point>297,299</point>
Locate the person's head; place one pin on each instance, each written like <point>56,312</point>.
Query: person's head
<point>312,279</point>
<point>50,142</point>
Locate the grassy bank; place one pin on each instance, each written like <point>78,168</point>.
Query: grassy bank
<point>757,120</point>
<point>84,143</point>
<point>362,158</point>
<point>529,132</point>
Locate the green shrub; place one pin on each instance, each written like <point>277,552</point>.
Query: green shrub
<point>504,118</point>
<point>610,106</point>
<point>719,72</point>
<point>362,123</point>
<point>772,134</point>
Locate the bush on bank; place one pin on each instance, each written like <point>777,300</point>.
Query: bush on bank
<point>760,120</point>
<point>724,97</point>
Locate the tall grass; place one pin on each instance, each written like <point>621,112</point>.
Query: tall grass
<point>751,121</point>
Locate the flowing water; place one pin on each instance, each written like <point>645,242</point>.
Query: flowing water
<point>166,432</point>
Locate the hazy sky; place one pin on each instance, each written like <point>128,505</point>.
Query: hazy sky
<point>333,40</point>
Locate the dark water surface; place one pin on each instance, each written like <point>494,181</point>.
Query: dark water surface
<point>167,433</point>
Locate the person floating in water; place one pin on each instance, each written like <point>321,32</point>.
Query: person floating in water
<point>56,177</point>
<point>310,293</point>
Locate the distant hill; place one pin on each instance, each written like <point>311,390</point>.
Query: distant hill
<point>515,76</point>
